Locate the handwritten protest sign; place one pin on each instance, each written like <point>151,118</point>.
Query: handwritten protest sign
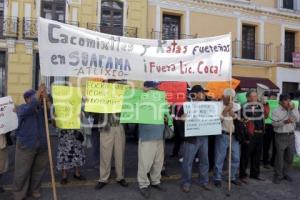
<point>202,118</point>
<point>144,107</point>
<point>8,118</point>
<point>175,91</point>
<point>66,50</point>
<point>216,89</point>
<point>273,104</point>
<point>67,106</point>
<point>104,97</point>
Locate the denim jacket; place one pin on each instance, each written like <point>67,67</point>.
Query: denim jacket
<point>31,132</point>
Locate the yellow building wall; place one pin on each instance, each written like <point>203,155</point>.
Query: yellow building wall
<point>141,15</point>
<point>206,25</point>
<point>151,20</point>
<point>273,74</point>
<point>87,12</point>
<point>251,71</point>
<point>20,64</point>
<point>19,77</point>
<point>137,16</point>
<point>273,36</point>
<point>297,40</point>
<point>267,3</point>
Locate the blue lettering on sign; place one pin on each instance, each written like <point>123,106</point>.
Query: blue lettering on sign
<point>77,59</point>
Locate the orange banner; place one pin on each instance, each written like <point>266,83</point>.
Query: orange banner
<point>216,89</point>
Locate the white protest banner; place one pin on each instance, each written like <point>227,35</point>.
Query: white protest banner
<point>8,118</point>
<point>66,50</point>
<point>202,118</point>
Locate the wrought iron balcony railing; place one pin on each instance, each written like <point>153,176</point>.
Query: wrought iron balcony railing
<point>285,55</point>
<point>30,26</point>
<point>256,51</point>
<point>114,30</point>
<point>9,27</point>
<point>170,36</point>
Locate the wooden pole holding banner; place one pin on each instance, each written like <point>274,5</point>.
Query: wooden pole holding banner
<point>230,147</point>
<point>230,130</point>
<point>53,184</point>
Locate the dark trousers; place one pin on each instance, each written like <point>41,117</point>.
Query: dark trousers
<point>284,155</point>
<point>211,151</point>
<point>269,138</point>
<point>96,146</point>
<point>251,151</point>
<point>30,165</point>
<point>178,141</point>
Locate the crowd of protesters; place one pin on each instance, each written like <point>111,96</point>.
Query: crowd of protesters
<point>251,141</point>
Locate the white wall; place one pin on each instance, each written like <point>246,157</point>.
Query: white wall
<point>287,75</point>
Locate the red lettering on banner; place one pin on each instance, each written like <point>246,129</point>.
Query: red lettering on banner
<point>185,69</point>
<point>208,69</point>
<point>161,68</point>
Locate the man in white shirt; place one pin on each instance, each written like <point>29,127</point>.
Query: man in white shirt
<point>284,118</point>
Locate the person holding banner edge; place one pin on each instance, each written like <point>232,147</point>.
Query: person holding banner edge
<point>31,157</point>
<point>192,145</point>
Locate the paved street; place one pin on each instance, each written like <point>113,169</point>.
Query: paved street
<point>85,190</point>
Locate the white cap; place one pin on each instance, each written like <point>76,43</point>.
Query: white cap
<point>229,92</point>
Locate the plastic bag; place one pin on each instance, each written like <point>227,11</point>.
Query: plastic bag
<point>296,161</point>
<point>168,132</point>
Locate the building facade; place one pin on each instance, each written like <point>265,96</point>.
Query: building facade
<point>265,33</point>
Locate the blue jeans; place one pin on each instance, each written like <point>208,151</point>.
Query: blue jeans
<point>221,145</point>
<point>190,150</point>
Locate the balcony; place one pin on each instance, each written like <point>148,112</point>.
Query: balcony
<point>285,55</point>
<point>258,51</point>
<point>114,30</point>
<point>30,31</point>
<point>170,36</point>
<point>9,27</point>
